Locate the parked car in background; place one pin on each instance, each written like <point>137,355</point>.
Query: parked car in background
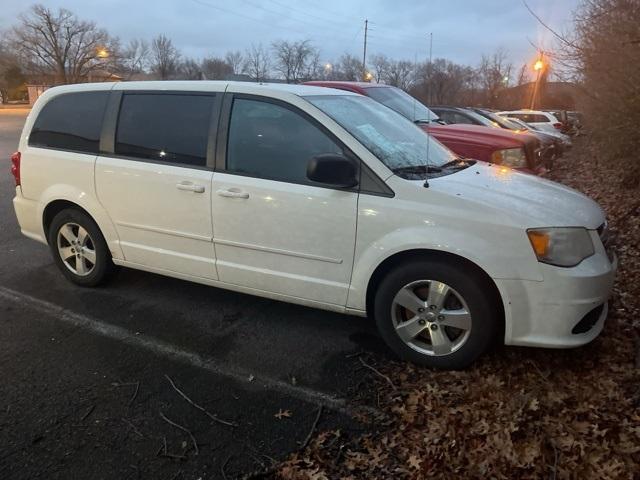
<point>459,115</point>
<point>551,147</point>
<point>259,188</point>
<point>522,152</point>
<point>563,139</point>
<point>543,120</point>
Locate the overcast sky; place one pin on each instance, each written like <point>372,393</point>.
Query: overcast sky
<point>462,29</point>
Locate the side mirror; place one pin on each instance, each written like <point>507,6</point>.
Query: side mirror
<point>333,170</point>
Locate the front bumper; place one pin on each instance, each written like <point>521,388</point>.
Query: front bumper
<point>567,309</point>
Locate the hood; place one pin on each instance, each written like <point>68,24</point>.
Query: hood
<point>528,200</point>
<point>490,137</point>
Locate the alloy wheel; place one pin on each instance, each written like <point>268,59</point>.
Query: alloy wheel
<point>76,249</point>
<point>431,317</point>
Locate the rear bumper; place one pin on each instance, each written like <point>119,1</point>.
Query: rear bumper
<point>567,309</point>
<point>27,215</point>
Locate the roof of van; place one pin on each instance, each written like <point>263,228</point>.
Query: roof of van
<point>206,85</point>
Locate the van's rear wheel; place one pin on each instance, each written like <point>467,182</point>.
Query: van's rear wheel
<point>79,249</point>
<point>435,314</point>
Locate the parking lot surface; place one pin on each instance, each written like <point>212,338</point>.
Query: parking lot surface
<point>101,383</point>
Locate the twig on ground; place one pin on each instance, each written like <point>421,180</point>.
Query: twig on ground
<point>313,428</point>
<point>88,412</point>
<point>637,345</point>
<point>133,427</point>
<point>177,474</point>
<point>542,375</point>
<point>202,409</point>
<point>377,372</point>
<point>135,394</point>
<point>224,466</point>
<point>356,354</point>
<point>184,429</point>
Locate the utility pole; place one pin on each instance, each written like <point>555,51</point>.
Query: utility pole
<point>364,54</point>
<point>430,66</point>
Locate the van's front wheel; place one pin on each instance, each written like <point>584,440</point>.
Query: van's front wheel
<point>435,314</point>
<point>79,248</point>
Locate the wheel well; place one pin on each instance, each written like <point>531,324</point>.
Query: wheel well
<point>55,207</point>
<point>424,254</point>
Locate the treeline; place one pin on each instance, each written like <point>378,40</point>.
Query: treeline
<point>57,44</point>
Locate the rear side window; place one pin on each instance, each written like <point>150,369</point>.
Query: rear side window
<point>165,127</point>
<point>537,118</point>
<point>71,121</point>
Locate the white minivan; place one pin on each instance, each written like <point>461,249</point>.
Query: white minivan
<point>312,196</point>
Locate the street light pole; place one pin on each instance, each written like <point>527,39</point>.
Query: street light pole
<point>538,67</point>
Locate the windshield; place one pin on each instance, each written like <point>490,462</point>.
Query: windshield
<point>403,103</point>
<point>503,122</point>
<point>484,120</point>
<point>396,141</point>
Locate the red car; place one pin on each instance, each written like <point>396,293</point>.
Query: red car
<point>517,150</point>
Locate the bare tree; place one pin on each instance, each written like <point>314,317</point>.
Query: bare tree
<point>11,76</point>
<point>135,57</point>
<point>602,55</point>
<point>214,68</point>
<point>61,44</point>
<point>189,69</point>
<point>400,74</point>
<point>380,67</point>
<point>523,75</point>
<point>443,82</point>
<point>348,68</point>
<point>492,72</point>
<point>256,63</point>
<point>292,59</point>
<point>235,61</point>
<point>165,58</point>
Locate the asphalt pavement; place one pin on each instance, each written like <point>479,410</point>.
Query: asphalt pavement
<point>86,374</point>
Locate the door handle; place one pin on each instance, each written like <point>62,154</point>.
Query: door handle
<point>232,193</point>
<point>190,187</point>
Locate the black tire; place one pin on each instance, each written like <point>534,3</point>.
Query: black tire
<point>103,267</point>
<point>485,315</point>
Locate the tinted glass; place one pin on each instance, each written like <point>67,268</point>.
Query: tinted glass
<point>538,118</point>
<point>166,127</point>
<point>402,102</point>
<point>270,141</point>
<point>71,121</point>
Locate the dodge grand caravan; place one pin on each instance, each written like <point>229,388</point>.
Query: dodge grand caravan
<point>313,196</point>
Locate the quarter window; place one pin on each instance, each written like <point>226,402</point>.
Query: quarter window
<point>164,127</point>
<point>71,121</point>
<point>270,141</point>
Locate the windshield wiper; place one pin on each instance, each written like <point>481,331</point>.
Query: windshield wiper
<point>417,169</point>
<point>459,163</point>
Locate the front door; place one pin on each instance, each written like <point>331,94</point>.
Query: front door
<point>156,186</point>
<point>274,230</point>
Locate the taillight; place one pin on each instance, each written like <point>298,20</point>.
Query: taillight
<point>15,167</point>
<point>558,125</point>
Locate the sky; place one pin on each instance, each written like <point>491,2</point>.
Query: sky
<point>463,30</point>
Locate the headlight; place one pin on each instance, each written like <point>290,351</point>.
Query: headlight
<point>561,246</point>
<point>510,157</point>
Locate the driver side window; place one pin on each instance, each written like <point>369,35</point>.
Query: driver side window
<point>270,141</point>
